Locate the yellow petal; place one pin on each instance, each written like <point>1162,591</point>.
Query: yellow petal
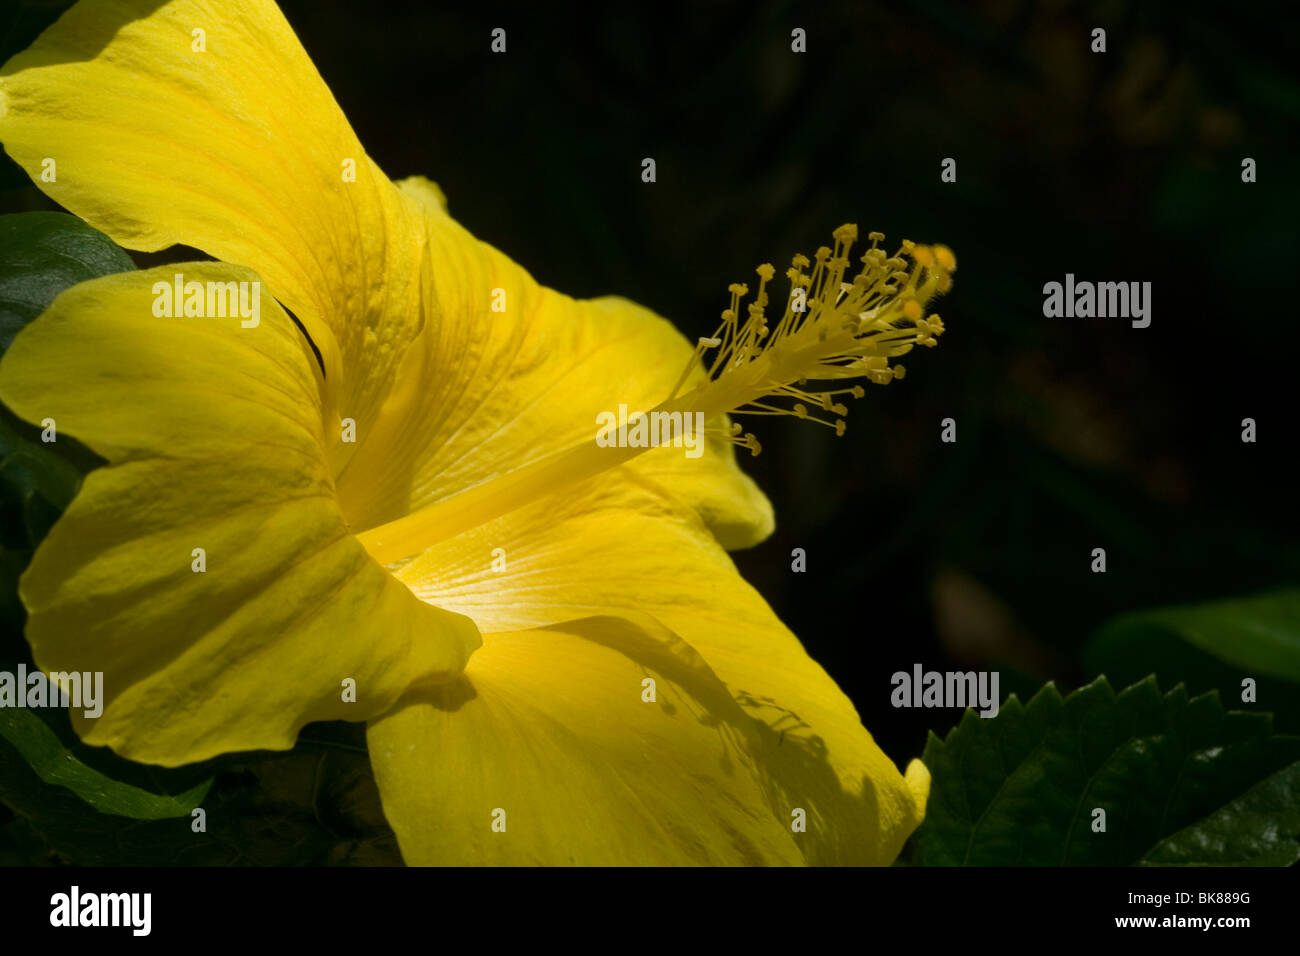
<point>548,751</point>
<point>619,545</point>
<point>213,432</point>
<point>727,500</point>
<point>483,392</point>
<point>238,150</point>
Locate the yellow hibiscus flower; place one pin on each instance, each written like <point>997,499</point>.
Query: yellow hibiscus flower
<point>384,498</point>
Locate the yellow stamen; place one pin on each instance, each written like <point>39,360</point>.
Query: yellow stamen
<point>845,330</point>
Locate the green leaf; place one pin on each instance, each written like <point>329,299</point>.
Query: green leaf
<point>315,805</point>
<point>43,253</point>
<point>33,474</point>
<point>1211,646</point>
<point>1259,635</point>
<point>1243,831</point>
<point>1180,780</point>
<point>55,764</point>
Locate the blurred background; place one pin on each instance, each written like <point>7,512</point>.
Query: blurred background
<point>1072,434</point>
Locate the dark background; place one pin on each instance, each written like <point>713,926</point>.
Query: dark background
<point>1072,434</point>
